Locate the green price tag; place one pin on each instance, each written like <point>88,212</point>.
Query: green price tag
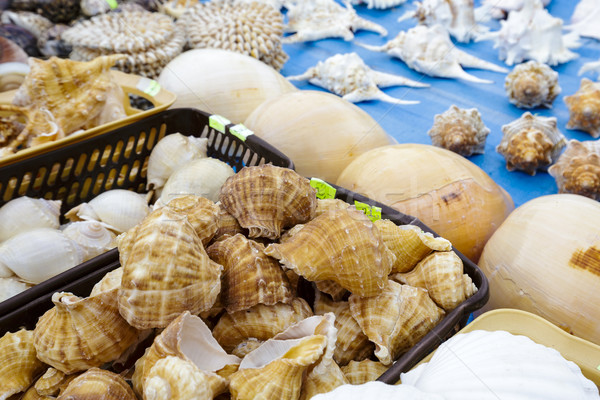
<point>374,213</point>
<point>148,86</point>
<point>218,122</point>
<point>112,4</point>
<point>324,189</point>
<point>241,132</point>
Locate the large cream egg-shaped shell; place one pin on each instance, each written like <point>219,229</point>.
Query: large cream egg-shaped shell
<point>222,82</point>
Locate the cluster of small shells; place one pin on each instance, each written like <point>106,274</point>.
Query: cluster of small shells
<point>226,279</point>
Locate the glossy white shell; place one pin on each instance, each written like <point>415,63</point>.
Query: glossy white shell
<point>376,390</point>
<point>584,20</point>
<point>10,287</point>
<point>93,237</point>
<point>25,213</point>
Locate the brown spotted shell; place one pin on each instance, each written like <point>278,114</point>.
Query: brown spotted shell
<point>343,246</point>
<point>584,108</point>
<point>530,143</point>
<point>459,130</point>
<point>267,199</point>
<point>577,170</point>
<point>18,363</point>
<point>201,213</point>
<point>359,372</point>
<point>532,84</point>
<point>98,384</point>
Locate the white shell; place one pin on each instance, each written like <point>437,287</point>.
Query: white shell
<point>584,20</point>
<point>170,153</point>
<point>93,237</point>
<point>319,19</point>
<point>39,254</point>
<point>118,209</point>
<point>533,34</point>
<point>532,84</point>
<point>376,390</point>
<point>202,177</point>
<point>348,76</point>
<point>379,4</point>
<point>10,287</point>
<point>25,213</point>
<point>498,365</point>
<point>430,51</point>
<point>499,8</point>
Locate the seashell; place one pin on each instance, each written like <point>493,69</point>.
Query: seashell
<point>98,384</point>
<point>170,153</point>
<point>247,346</point>
<point>430,51</point>
<point>10,127</point>
<point>457,16</point>
<point>174,277</point>
<point>584,15</point>
<point>118,209</point>
<point>13,66</point>
<point>22,37</point>
<point>377,390</point>
<point>53,382</point>
<point>11,286</point>
<point>577,170</point>
<point>110,281</point>
<point>40,127</point>
<point>54,10</point>
<point>25,213</point>
<point>80,333</point>
<point>227,225</point>
<point>329,205</point>
<point>396,319</point>
<point>50,43</point>
<point>441,273</point>
<point>201,213</point>
<point>332,288</point>
<point>92,236</point>
<point>254,29</point>
<point>583,108</point>
<point>250,277</point>
<point>530,143</point>
<point>266,199</point>
<point>351,343</point>
<point>201,177</point>
<point>35,23</point>
<point>459,130</point>
<point>91,8</point>
<point>343,246</point>
<point>359,372</point>
<point>532,34</point>
<point>348,76</point>
<point>176,8</point>
<point>487,355</point>
<point>39,254</point>
<point>379,4</point>
<point>18,363</point>
<point>320,19</point>
<point>532,84</point>
<point>260,322</point>
<point>499,9</point>
<point>113,108</point>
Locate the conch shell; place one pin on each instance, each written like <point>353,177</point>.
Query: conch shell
<point>577,170</point>
<point>267,199</point>
<point>531,143</point>
<point>532,84</point>
<point>584,108</point>
<point>25,213</point>
<point>459,130</point>
<point>19,365</point>
<point>98,384</point>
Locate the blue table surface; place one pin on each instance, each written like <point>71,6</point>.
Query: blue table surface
<point>410,123</point>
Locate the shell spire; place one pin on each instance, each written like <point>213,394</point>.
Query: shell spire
<point>584,108</point>
<point>578,169</point>
<point>459,130</point>
<point>532,84</point>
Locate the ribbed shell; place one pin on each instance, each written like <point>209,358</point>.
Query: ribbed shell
<point>227,225</point>
<point>267,199</point>
<point>176,378</point>
<point>80,333</point>
<point>110,281</point>
<point>19,365</point>
<point>584,108</point>
<point>396,319</point>
<point>409,243</point>
<point>53,382</point>
<point>343,246</point>
<point>98,384</point>
<point>201,213</point>
<point>250,277</point>
<point>459,130</point>
<point>166,271</point>
<point>531,143</point>
<point>532,84</point>
<point>577,170</point>
<point>332,288</point>
<point>25,213</point>
<point>359,372</point>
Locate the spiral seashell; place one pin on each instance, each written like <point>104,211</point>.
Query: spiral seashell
<point>40,127</point>
<point>247,346</point>
<point>10,287</point>
<point>267,199</point>
<point>92,236</point>
<point>19,365</point>
<point>170,153</point>
<point>343,246</point>
<point>459,130</point>
<point>584,106</point>
<point>227,225</point>
<point>577,170</point>
<point>359,372</point>
<point>25,213</point>
<point>200,212</point>
<point>53,382</point>
<point>98,384</point>
<point>531,143</point>
<point>532,84</point>
<point>250,277</point>
<point>396,319</point>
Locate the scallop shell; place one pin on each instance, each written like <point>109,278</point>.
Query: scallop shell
<point>261,322</point>
<point>18,363</point>
<point>166,271</point>
<point>459,130</point>
<point>430,51</point>
<point>170,153</point>
<point>396,319</point>
<point>201,213</point>
<point>532,84</point>
<point>118,209</point>
<point>201,177</point>
<point>348,76</point>
<point>577,170</point>
<point>343,246</point>
<point>98,384</point>
<point>379,4</point>
<point>584,106</point>
<point>359,372</point>
<point>25,213</point>
<point>266,199</point>
<point>531,143</point>
<point>320,19</point>
<point>441,273</point>
<point>80,333</point>
<point>39,254</point>
<point>250,277</point>
<point>11,286</point>
<point>53,382</point>
<point>93,237</point>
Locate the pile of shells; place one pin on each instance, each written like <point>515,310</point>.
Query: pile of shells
<point>226,279</point>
